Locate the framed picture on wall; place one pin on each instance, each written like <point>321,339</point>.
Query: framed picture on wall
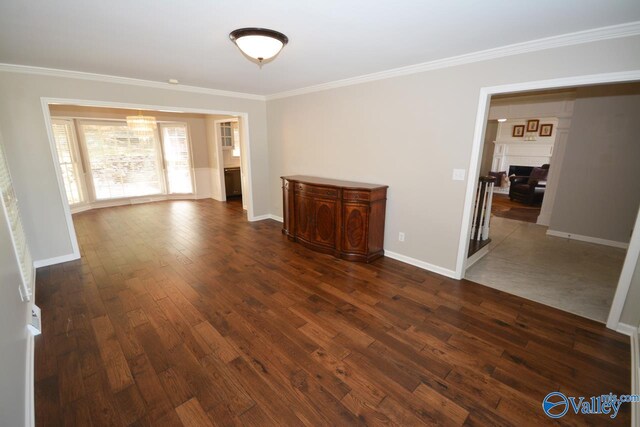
<point>518,131</point>
<point>532,125</point>
<point>546,129</point>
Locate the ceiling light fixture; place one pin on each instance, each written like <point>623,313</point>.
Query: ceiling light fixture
<point>259,44</point>
<point>502,120</point>
<point>142,126</point>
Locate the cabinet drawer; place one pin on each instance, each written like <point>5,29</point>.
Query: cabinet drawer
<point>356,195</point>
<point>313,189</point>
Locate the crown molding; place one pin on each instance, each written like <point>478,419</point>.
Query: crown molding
<point>580,37</point>
<point>54,72</point>
<point>604,33</point>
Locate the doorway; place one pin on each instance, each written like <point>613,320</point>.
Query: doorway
<point>229,145</point>
<point>201,177</point>
<point>626,260</point>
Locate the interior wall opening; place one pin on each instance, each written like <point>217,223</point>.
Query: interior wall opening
<point>105,161</point>
<point>558,198</point>
<point>102,159</point>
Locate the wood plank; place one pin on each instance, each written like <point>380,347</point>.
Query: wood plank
<point>111,353</point>
<point>192,415</point>
<point>182,312</point>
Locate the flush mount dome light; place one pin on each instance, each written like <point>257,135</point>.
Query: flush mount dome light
<point>259,43</point>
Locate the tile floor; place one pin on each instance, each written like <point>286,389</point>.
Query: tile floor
<point>574,276</point>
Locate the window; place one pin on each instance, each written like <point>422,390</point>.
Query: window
<point>226,134</point>
<point>236,140</point>
<point>63,134</point>
<point>177,159</point>
<point>121,163</point>
<point>230,137</point>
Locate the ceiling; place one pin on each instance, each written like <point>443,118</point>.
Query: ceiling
<point>329,39</point>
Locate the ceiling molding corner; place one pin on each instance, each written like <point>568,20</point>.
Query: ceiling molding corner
<point>587,36</point>
<point>54,72</point>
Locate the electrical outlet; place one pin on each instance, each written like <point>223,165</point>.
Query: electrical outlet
<point>401,236</point>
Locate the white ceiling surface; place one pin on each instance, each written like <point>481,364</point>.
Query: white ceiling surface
<point>329,39</point>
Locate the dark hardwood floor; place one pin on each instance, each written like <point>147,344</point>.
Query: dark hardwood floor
<point>182,313</point>
<point>503,207</point>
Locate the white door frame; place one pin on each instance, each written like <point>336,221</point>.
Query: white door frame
<point>220,150</point>
<point>45,102</point>
<point>474,166</point>
<point>220,157</point>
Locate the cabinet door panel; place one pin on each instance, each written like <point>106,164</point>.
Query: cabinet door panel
<point>304,217</point>
<point>355,220</point>
<point>325,222</point>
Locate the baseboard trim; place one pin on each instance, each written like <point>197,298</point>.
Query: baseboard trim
<point>55,260</point>
<point>421,264</point>
<point>79,209</point>
<point>136,201</point>
<point>626,329</point>
<point>477,256</point>
<point>588,239</point>
<point>29,416</point>
<point>266,216</point>
<point>276,218</point>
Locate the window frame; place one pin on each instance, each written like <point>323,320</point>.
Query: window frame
<point>162,125</point>
<point>77,159</point>
<point>89,174</point>
<point>226,124</point>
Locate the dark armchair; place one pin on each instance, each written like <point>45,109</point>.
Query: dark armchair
<point>529,189</point>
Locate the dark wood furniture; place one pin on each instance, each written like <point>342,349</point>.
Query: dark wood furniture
<point>529,189</point>
<point>232,182</point>
<point>342,218</point>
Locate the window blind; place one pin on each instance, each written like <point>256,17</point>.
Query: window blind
<point>69,164</point>
<point>10,205</point>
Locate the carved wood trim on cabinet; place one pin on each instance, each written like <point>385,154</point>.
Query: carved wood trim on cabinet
<point>342,218</point>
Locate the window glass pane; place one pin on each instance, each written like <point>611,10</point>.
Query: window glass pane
<point>236,140</point>
<point>177,158</point>
<point>122,163</point>
<point>226,135</point>
<point>68,164</point>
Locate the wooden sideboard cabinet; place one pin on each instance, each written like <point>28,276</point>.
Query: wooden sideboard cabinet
<point>342,218</point>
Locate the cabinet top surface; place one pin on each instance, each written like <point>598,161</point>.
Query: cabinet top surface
<point>332,182</point>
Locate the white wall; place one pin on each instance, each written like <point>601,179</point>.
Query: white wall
<point>599,185</point>
<point>487,151</point>
<point>410,132</point>
<point>230,161</point>
<point>28,152</point>
<point>13,333</point>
